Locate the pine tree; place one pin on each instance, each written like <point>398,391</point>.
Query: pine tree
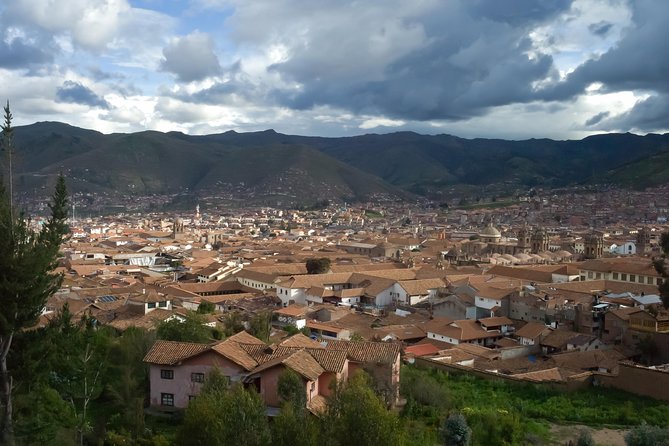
<point>660,264</point>
<point>27,261</point>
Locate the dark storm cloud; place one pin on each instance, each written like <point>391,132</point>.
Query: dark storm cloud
<point>472,56</point>
<point>17,54</point>
<point>640,61</point>
<point>517,12</point>
<point>596,119</point>
<point>647,115</point>
<point>601,28</point>
<point>76,93</point>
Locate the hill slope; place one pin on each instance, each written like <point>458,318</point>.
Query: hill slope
<point>313,168</point>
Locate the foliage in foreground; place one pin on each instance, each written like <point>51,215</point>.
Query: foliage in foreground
<point>504,413</point>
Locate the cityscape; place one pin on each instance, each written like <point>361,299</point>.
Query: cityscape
<point>300,223</point>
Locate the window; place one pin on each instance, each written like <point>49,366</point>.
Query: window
<point>598,275</point>
<point>589,274</point>
<point>632,277</point>
<point>615,276</point>
<point>151,305</point>
<point>197,377</point>
<point>640,279</point>
<point>649,280</point>
<point>167,374</point>
<point>658,281</point>
<point>623,276</point>
<point>167,399</point>
<point>162,304</point>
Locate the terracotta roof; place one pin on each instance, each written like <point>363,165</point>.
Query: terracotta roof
<point>235,353</point>
<point>622,313</point>
<point>402,332</point>
<point>293,310</point>
<point>558,338</point>
<point>300,341</point>
<point>531,330</point>
<point>420,287</point>
<point>629,265</point>
<point>530,274</point>
<point>309,280</point>
<point>552,374</point>
<point>495,321</point>
<point>300,361</point>
<point>330,360</point>
<point>172,353</point>
<point>421,350</point>
<point>364,351</point>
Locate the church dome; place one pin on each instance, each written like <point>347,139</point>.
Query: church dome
<point>490,232</point>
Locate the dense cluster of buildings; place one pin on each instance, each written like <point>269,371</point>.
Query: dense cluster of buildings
<point>497,291</point>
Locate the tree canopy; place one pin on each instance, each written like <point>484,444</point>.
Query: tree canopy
<point>318,266</point>
<point>28,258</point>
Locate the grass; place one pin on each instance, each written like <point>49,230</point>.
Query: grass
<point>488,205</point>
<point>519,413</point>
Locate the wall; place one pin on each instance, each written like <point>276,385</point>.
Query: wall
<point>181,385</point>
<point>578,382</point>
<point>638,380</point>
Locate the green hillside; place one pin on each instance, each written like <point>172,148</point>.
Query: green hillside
<point>313,168</point>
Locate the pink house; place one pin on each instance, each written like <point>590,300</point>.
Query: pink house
<point>178,369</point>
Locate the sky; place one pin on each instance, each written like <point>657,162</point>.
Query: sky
<point>512,69</point>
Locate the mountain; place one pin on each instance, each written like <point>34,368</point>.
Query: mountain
<point>307,169</point>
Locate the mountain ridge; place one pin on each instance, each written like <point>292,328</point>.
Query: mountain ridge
<point>313,168</point>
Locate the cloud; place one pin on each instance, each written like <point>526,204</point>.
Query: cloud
<point>647,115</point>
<point>191,58</point>
<point>405,60</point>
<point>19,54</point>
<point>92,24</point>
<point>596,119</point>
<point>600,28</point>
<point>76,93</point>
<point>639,61</point>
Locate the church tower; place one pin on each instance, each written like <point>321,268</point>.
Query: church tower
<point>594,245</point>
<point>524,240</point>
<point>539,240</point>
<point>643,241</point>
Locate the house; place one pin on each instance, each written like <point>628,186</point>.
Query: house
<point>643,320</point>
<point>531,333</point>
<point>616,324</point>
<point>295,315</point>
<point>631,270</point>
<point>460,332</point>
<point>178,369</point>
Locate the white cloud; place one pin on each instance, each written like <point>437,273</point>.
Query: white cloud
<point>191,58</point>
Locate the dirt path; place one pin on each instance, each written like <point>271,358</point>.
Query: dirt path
<point>602,436</point>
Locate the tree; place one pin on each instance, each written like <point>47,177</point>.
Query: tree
<point>291,389</point>
<point>456,431</point>
<point>190,330</point>
<point>318,266</point>
<point>222,416</point>
<point>660,265</point>
<point>585,439</point>
<point>293,426</point>
<point>27,260</point>
<point>645,435</point>
<point>233,323</point>
<point>260,325</point>
<point>355,407</point>
<point>206,307</point>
